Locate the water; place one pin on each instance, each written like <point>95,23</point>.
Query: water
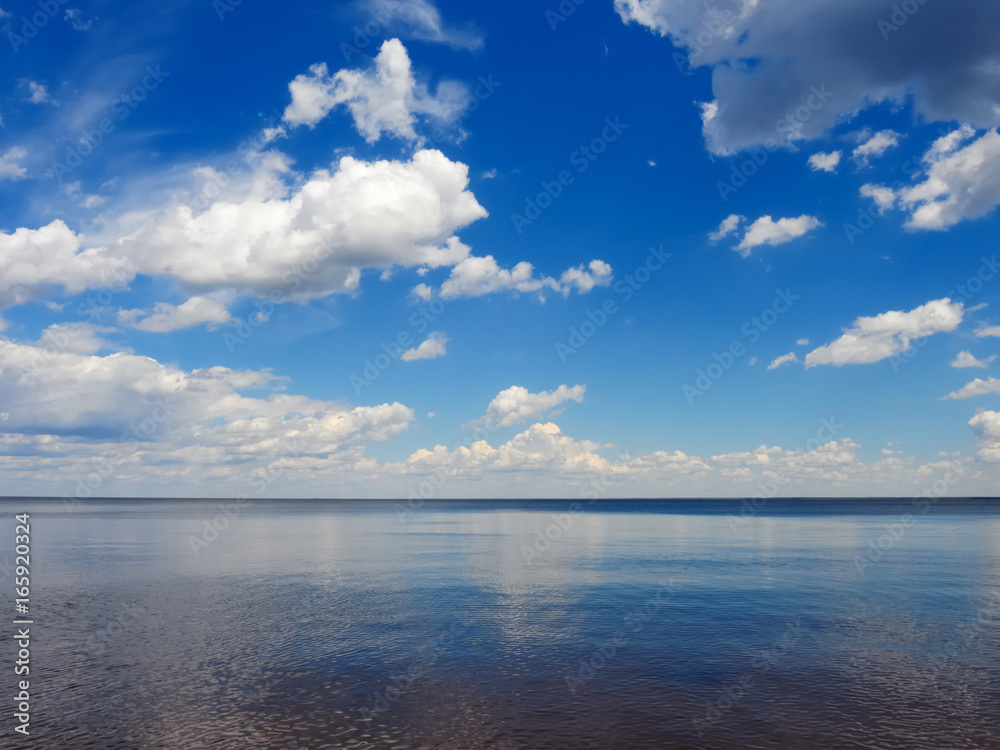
<point>670,624</point>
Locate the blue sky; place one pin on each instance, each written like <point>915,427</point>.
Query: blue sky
<point>397,249</point>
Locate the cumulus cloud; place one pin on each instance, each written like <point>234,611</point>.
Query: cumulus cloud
<point>960,182</point>
<point>385,99</point>
<point>766,231</point>
<point>986,425</point>
<point>33,259</point>
<point>321,234</point>
<point>876,145</point>
<point>966,359</point>
<point>166,317</point>
<point>784,359</point>
<point>769,57</point>
<point>419,19</point>
<point>825,162</point>
<point>875,338</point>
<point>432,347</point>
<point>727,227</point>
<point>988,331</point>
<point>57,391</point>
<point>517,404</point>
<point>977,387</point>
<point>10,169</point>
<point>474,277</point>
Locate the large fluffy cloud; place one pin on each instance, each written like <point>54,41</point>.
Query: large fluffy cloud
<point>769,57</point>
<point>959,182</point>
<point>877,337</point>
<point>385,99</point>
<point>31,260</point>
<point>50,388</point>
<point>315,239</point>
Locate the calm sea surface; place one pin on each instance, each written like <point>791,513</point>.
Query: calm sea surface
<point>502,625</point>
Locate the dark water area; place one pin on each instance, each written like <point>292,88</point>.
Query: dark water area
<point>509,624</point>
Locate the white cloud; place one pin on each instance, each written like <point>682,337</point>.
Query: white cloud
<point>432,347</point>
<point>784,359</point>
<point>475,276</point>
<point>884,197</point>
<point>489,174</point>
<point>518,404</point>
<point>802,342</point>
<point>766,231</point>
<point>966,359</point>
<point>988,331</point>
<point>787,70</point>
<point>385,99</point>
<point>875,338</point>
<point>419,19</point>
<point>57,391</point>
<point>977,387</point>
<point>32,259</point>
<point>876,145</point>
<point>39,94</point>
<point>959,183</point>
<point>321,235</point>
<point>986,424</point>
<point>825,162</point>
<point>78,20</point>
<point>728,226</point>
<point>75,338</point>
<point>9,167</point>
<point>166,317</point>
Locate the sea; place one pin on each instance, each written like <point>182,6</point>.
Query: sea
<point>503,625</point>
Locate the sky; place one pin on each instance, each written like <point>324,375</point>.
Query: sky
<point>581,249</point>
